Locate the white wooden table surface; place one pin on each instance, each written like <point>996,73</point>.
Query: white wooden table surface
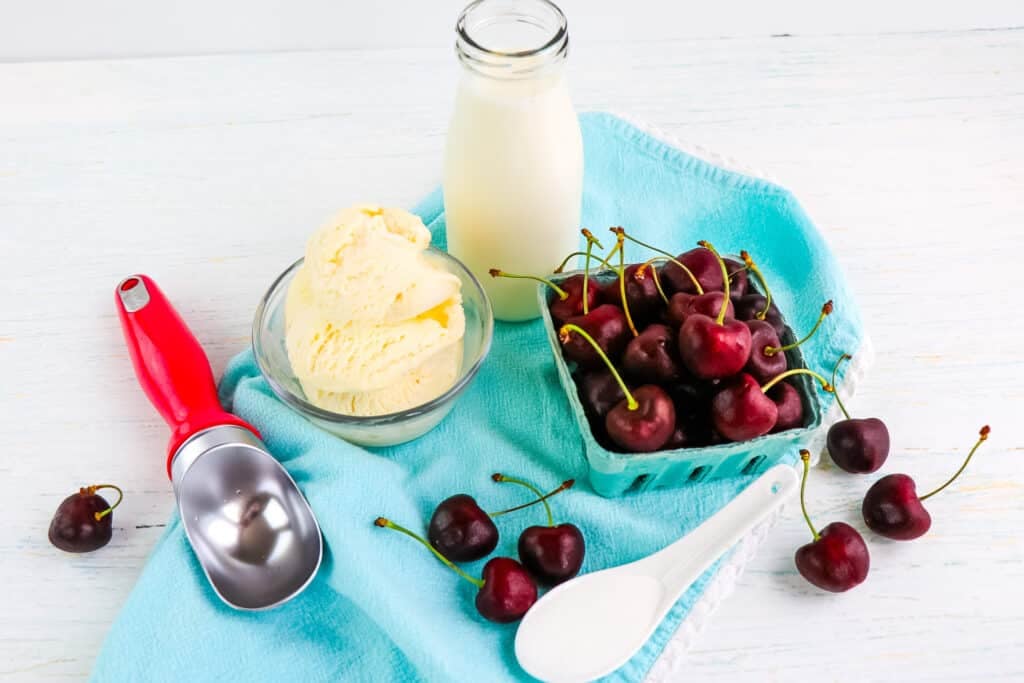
<point>209,173</point>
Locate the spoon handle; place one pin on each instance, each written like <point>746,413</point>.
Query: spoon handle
<point>169,362</point>
<point>681,563</point>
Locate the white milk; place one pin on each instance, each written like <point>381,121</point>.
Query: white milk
<point>513,173</point>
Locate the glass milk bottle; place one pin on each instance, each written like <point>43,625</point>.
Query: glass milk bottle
<point>513,172</point>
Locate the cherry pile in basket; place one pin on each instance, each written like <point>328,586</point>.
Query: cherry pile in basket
<point>461,531</point>
<point>677,352</point>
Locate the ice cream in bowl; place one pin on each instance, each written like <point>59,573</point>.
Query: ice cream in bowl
<point>374,334</point>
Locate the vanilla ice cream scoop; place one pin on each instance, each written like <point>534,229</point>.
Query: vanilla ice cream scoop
<point>368,264</point>
<point>420,386</point>
<point>371,326</point>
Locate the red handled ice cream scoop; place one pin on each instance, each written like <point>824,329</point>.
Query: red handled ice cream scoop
<point>253,532</point>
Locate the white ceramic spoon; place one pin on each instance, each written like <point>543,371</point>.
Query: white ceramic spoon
<point>590,626</point>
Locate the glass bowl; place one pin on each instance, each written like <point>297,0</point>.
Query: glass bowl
<point>268,343</point>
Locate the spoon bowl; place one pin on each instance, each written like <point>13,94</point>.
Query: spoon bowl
<point>252,531</point>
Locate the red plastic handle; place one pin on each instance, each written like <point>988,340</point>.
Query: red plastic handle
<point>169,363</point>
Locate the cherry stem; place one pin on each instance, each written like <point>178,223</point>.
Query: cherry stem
<point>752,267</point>
<point>805,456</point>
<point>388,524</point>
<point>725,279</point>
<point>670,257</point>
<point>642,270</point>
<point>826,311</point>
<point>982,437</point>
<point>622,284</point>
<point>591,241</point>
<point>501,479</point>
<point>120,496</point>
<point>825,386</point>
<point>562,294</point>
<point>839,401</point>
<point>563,335</point>
<point>565,262</point>
<point>602,265</point>
<point>565,486</point>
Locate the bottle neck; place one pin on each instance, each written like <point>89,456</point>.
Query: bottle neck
<point>512,39</point>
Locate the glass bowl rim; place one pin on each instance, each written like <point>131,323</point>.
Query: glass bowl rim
<point>304,406</point>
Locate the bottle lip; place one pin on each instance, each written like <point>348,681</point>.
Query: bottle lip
<point>499,63</point>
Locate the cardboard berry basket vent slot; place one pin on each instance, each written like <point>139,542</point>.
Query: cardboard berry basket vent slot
<point>614,473</point>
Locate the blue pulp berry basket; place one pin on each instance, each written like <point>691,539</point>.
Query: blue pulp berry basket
<point>614,474</point>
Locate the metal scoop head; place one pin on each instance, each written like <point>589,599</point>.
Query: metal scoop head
<point>253,532</point>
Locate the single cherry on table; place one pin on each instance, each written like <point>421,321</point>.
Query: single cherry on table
<point>893,509</point>
<point>552,553</point>
<point>504,593</point>
<point>859,446</point>
<point>461,530</point>
<point>837,559</point>
<point>83,521</point>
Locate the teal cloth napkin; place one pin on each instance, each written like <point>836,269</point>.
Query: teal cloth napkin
<point>381,608</point>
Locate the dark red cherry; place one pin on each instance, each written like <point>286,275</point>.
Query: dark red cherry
<point>648,426</point>
<point>859,446</point>
<point>599,391</point>
<point>552,554</point>
<point>651,356</point>
<point>750,306</point>
<point>642,293</point>
<point>461,530</point>
<point>678,439</point>
<point>710,349</point>
<point>572,305</point>
<point>690,394</point>
<point>608,291</point>
<point>692,402</point>
<point>739,281</point>
<point>837,559</point>
<point>790,406</point>
<point>682,305</point>
<point>508,591</point>
<point>566,300</point>
<point>83,521</point>
<point>765,361</point>
<point>892,508</point>
<point>702,263</point>
<point>607,325</point>
<point>741,411</point>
